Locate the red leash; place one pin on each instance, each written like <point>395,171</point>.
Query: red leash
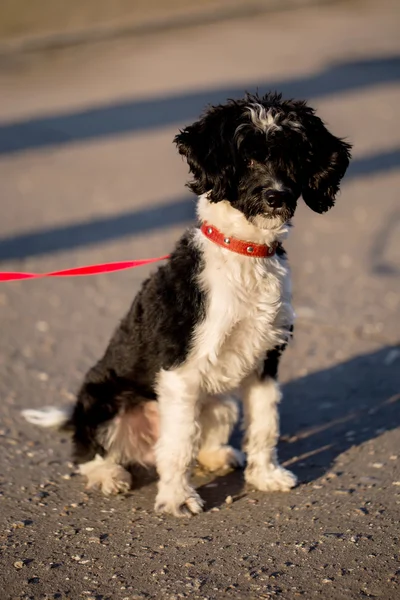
<point>228,242</point>
<point>89,270</point>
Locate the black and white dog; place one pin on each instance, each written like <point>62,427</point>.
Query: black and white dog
<point>214,318</point>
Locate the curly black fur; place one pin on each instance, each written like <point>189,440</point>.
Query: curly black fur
<point>234,160</point>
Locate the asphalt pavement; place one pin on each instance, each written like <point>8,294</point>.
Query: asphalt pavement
<point>88,173</point>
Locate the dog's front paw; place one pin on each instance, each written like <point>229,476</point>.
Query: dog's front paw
<point>179,502</point>
<point>270,479</point>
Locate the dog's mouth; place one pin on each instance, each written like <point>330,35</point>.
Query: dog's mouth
<point>276,211</point>
<point>280,211</point>
<point>272,220</point>
<point>277,217</point>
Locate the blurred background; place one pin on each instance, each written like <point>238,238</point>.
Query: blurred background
<point>91,96</point>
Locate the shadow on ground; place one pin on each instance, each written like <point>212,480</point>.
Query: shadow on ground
<point>326,413</point>
<point>141,115</point>
<point>105,229</point>
<point>180,211</point>
<point>378,254</point>
<point>133,116</point>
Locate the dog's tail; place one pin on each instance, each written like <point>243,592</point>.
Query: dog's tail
<point>49,416</point>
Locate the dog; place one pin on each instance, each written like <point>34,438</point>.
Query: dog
<point>216,317</point>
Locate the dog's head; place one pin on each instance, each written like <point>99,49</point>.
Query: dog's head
<point>261,154</point>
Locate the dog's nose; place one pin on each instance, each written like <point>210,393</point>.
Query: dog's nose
<point>274,198</point>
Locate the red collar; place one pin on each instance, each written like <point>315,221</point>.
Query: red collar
<point>235,245</point>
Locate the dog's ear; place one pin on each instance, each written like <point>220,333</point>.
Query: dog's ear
<point>326,163</point>
<point>208,146</point>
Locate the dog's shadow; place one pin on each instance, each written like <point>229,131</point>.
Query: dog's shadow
<point>324,414</point>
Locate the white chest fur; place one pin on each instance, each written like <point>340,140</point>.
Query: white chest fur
<point>248,312</point>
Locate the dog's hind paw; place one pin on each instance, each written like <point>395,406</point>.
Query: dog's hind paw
<point>222,457</point>
<point>107,476</point>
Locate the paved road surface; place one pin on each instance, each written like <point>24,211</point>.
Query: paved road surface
<point>88,173</point>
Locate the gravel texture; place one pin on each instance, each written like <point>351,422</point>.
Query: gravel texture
<point>88,173</point>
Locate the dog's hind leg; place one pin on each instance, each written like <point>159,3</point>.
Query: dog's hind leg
<point>114,427</point>
<point>217,420</point>
<point>93,422</point>
<point>127,439</point>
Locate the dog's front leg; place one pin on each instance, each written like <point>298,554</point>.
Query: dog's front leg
<point>176,449</point>
<point>261,396</point>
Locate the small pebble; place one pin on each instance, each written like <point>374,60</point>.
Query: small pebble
<point>18,524</point>
<point>18,564</point>
<point>361,511</point>
<point>229,500</point>
<point>42,326</point>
